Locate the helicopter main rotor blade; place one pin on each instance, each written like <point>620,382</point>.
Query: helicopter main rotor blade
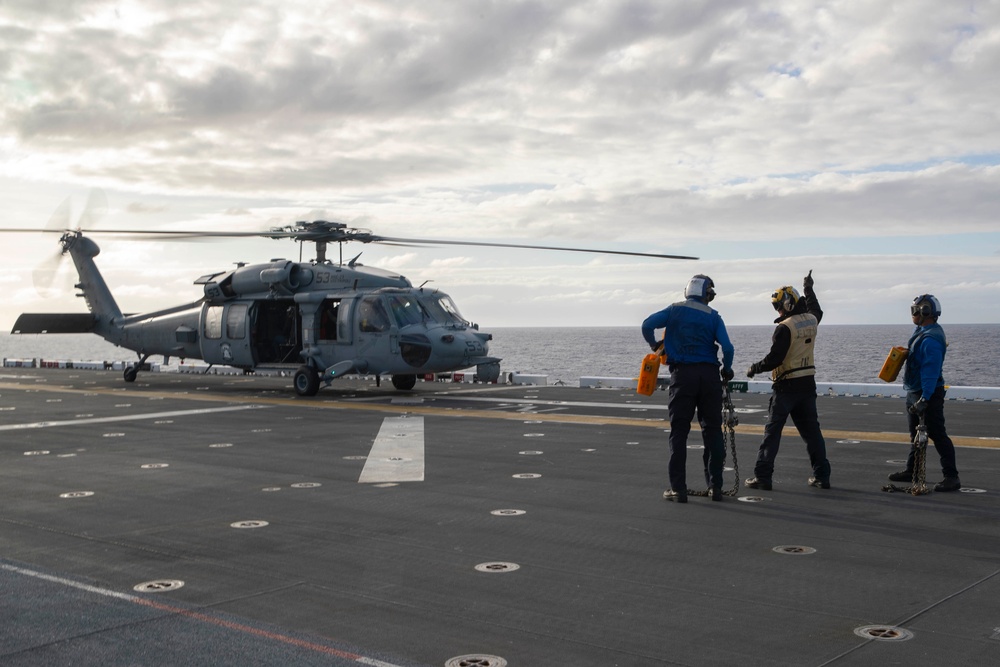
<point>171,234</point>
<point>352,236</point>
<point>22,230</point>
<point>389,239</point>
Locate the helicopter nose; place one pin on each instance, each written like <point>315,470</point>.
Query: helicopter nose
<point>460,346</point>
<point>415,349</point>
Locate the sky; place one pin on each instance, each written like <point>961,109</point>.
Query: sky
<point>858,140</point>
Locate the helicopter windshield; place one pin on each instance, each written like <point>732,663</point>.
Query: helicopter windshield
<point>406,310</point>
<point>442,308</point>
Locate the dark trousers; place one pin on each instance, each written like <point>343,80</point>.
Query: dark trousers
<point>934,420</point>
<point>695,388</point>
<point>801,407</point>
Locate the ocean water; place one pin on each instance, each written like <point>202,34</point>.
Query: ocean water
<point>844,353</point>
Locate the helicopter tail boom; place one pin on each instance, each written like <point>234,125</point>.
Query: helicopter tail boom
<point>92,286</point>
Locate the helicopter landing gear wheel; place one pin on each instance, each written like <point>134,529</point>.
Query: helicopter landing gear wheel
<point>404,382</point>
<point>131,373</point>
<point>306,381</point>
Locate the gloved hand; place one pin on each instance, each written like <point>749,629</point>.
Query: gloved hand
<point>727,374</point>
<point>753,370</point>
<point>656,347</point>
<point>919,408</point>
<point>807,282</point>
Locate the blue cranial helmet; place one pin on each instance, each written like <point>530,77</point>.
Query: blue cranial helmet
<point>926,305</point>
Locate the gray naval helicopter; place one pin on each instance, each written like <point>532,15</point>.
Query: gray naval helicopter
<point>318,320</point>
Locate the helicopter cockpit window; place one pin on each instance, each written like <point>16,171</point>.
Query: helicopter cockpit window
<point>236,322</point>
<point>443,308</point>
<point>372,316</point>
<point>406,310</point>
<point>213,322</point>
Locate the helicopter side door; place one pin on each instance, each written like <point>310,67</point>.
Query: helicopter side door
<point>376,336</point>
<point>330,328</point>
<point>226,336</point>
<point>334,322</point>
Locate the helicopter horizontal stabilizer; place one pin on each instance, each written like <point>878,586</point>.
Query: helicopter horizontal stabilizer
<point>53,323</point>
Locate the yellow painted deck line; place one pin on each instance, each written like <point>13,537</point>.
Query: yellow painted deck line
<point>319,403</point>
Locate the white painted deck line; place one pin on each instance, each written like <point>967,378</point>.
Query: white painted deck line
<point>397,454</point>
<point>129,418</point>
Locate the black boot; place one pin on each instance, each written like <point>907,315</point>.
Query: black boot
<point>758,483</point>
<point>676,496</point>
<point>948,484</point>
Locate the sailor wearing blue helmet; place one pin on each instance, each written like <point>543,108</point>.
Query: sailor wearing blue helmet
<point>923,380</point>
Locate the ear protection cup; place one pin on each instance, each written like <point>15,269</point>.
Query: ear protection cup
<point>785,298</point>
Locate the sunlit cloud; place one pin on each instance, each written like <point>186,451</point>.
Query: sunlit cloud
<point>861,141</point>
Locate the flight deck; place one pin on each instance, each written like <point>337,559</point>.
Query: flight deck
<point>224,520</point>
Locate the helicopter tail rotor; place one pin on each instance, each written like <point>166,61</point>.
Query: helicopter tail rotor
<point>51,277</point>
<point>94,210</point>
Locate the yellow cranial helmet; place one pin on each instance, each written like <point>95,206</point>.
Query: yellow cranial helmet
<point>785,298</point>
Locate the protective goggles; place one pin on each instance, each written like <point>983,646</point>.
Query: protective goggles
<point>922,309</point>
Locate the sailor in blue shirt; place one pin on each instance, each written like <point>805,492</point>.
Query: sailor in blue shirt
<point>923,381</point>
<point>693,334</point>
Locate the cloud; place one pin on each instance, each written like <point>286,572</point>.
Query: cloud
<point>451,262</point>
<point>726,130</point>
<point>140,208</point>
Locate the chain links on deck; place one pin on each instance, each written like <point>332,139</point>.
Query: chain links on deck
<point>729,423</point>
<point>919,486</point>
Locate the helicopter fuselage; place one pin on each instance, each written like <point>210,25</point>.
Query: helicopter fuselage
<point>322,319</point>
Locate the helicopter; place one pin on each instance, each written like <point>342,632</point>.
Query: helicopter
<point>319,320</point>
